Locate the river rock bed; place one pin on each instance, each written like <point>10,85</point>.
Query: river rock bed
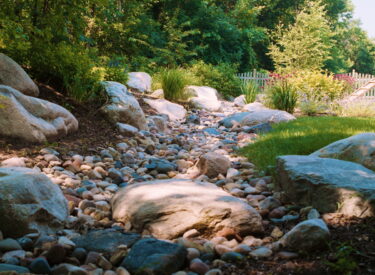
<point>94,241</point>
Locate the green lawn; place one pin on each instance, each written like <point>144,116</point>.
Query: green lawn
<point>303,136</point>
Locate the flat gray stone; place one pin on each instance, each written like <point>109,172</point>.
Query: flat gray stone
<point>105,241</point>
<point>329,185</point>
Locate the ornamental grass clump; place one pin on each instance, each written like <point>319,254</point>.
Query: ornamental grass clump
<point>173,82</point>
<point>250,90</point>
<point>282,95</point>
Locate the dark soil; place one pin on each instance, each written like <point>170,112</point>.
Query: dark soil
<point>351,250</point>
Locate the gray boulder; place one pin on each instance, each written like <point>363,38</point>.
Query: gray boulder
<point>266,116</point>
<point>231,120</point>
<point>29,202</point>
<point>255,106</point>
<point>168,208</point>
<point>205,98</point>
<point>154,257</point>
<point>105,241</point>
<point>172,110</point>
<point>306,236</point>
<point>329,185</point>
<point>32,119</point>
<point>11,74</point>
<point>359,148</point>
<point>139,81</point>
<point>123,106</point>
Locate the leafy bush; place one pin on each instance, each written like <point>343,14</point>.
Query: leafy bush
<point>115,70</point>
<point>250,89</point>
<point>173,82</point>
<point>318,87</point>
<point>68,66</point>
<point>282,96</point>
<point>311,108</point>
<point>221,77</point>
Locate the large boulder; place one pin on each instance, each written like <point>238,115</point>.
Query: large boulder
<point>329,185</point>
<point>30,202</point>
<point>11,74</point>
<point>139,81</point>
<point>32,119</point>
<point>266,115</point>
<point>212,164</point>
<point>359,148</point>
<point>123,106</point>
<point>172,110</point>
<point>155,257</point>
<point>168,208</point>
<point>205,98</point>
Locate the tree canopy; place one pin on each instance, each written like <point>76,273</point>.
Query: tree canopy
<point>73,43</point>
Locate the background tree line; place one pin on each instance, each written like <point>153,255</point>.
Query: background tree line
<point>73,43</point>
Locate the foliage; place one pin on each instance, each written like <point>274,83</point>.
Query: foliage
<point>303,136</point>
<point>282,95</point>
<point>318,87</point>
<point>361,108</point>
<point>173,82</point>
<point>345,263</point>
<point>221,77</point>
<point>306,44</point>
<point>150,35</point>
<point>250,90</point>
<point>311,107</point>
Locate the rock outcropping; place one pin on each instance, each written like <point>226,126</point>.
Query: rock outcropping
<point>32,119</point>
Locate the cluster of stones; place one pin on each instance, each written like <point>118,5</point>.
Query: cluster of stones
<point>206,207</point>
<point>174,197</point>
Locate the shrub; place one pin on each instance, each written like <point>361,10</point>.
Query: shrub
<point>68,66</point>
<point>221,77</point>
<point>115,69</point>
<point>318,87</point>
<point>250,89</point>
<point>311,108</point>
<point>282,96</point>
<point>173,82</point>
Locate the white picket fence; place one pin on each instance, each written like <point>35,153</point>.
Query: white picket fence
<point>360,80</point>
<point>259,78</point>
